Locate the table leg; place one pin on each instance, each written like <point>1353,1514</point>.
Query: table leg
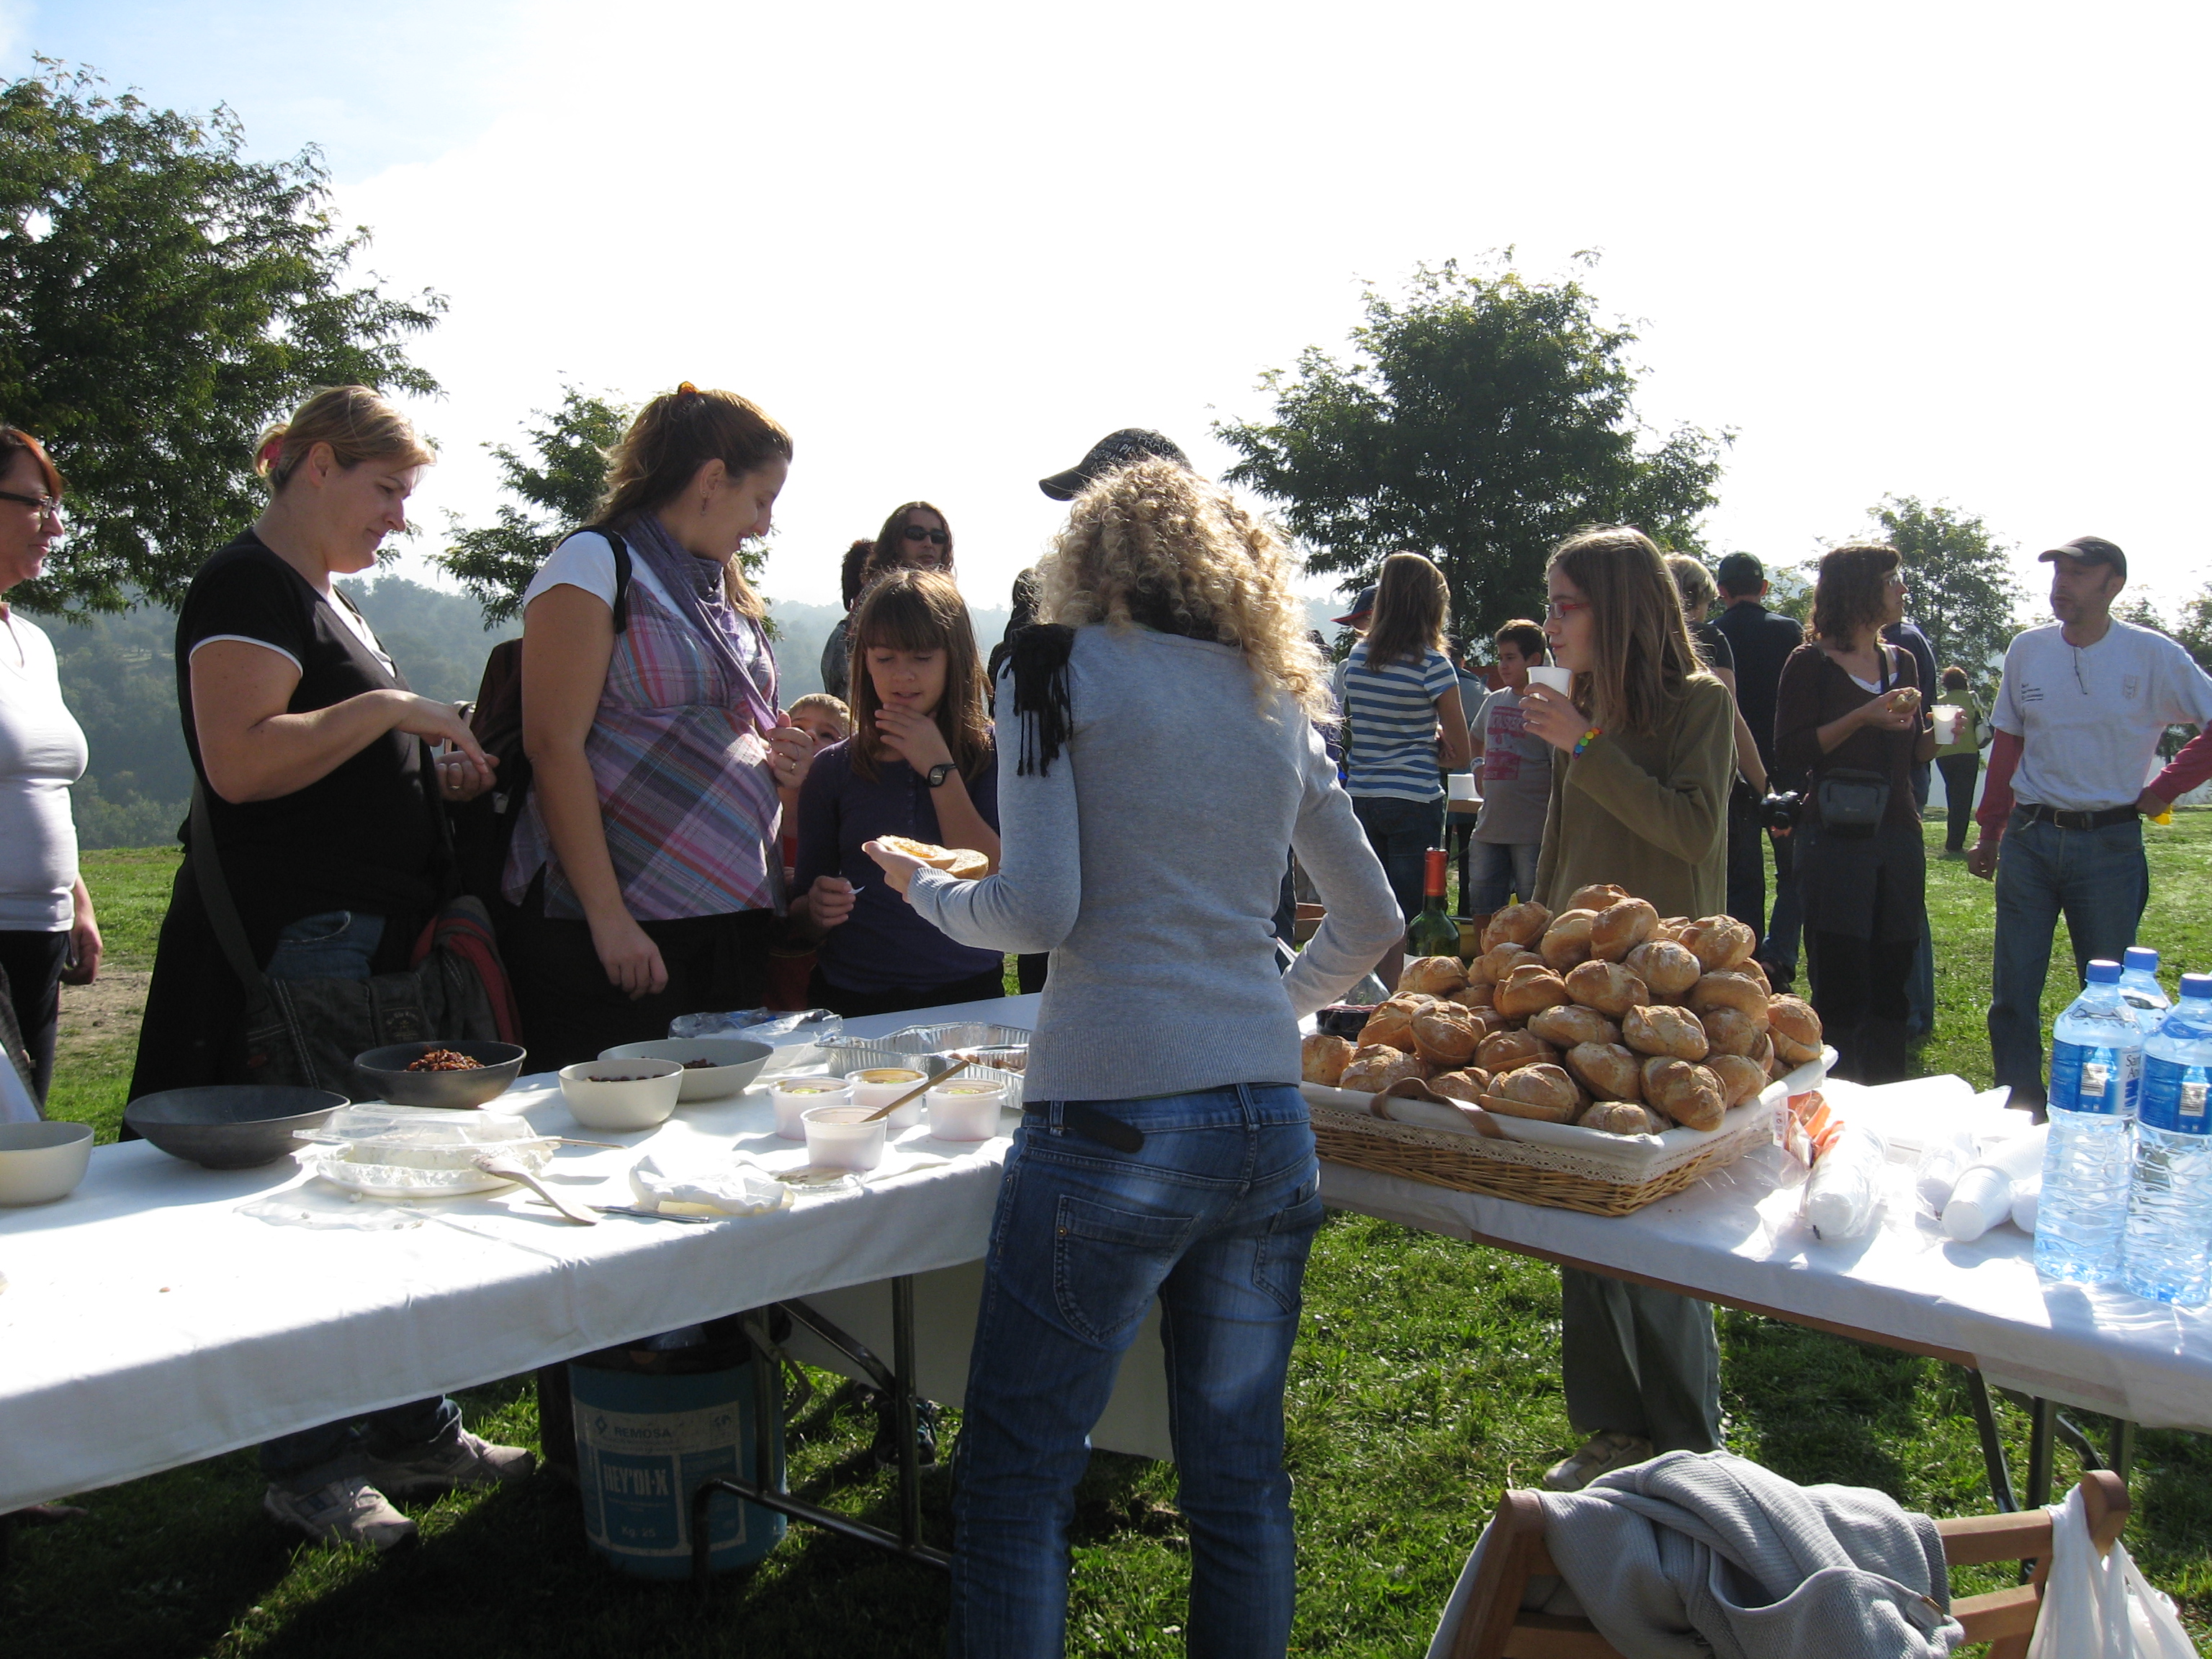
<point>2123,1449</point>
<point>1993,1452</point>
<point>2042,1431</point>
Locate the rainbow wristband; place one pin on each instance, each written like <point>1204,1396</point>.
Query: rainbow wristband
<point>1585,741</point>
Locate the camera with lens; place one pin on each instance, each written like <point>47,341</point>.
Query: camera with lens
<point>1779,811</point>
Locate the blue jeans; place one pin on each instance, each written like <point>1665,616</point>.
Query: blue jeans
<point>1500,868</point>
<point>2101,881</point>
<point>335,945</point>
<point>1213,1216</point>
<point>1401,832</point>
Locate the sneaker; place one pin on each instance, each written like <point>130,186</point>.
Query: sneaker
<point>464,1461</point>
<point>1601,1454</point>
<point>348,1510</point>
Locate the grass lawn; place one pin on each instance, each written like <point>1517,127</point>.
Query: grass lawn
<point>1426,1380</point>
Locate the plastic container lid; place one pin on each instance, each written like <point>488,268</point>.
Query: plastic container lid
<point>419,1127</point>
<point>2142,958</point>
<point>2104,973</point>
<point>1982,1199</point>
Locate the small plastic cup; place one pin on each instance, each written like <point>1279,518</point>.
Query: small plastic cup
<point>795,1096</point>
<point>844,1138</point>
<point>886,1084</point>
<point>966,1110</point>
<point>1946,716</point>
<point>1561,680</point>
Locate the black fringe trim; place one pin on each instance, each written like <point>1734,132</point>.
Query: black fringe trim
<point>1040,662</point>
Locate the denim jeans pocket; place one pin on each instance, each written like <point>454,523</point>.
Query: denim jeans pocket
<point>1278,1265</point>
<point>1108,1263</point>
<point>317,929</point>
<point>331,945</point>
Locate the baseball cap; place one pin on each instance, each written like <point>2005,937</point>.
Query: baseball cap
<point>1110,453</point>
<point>1360,606</point>
<point>1741,573</point>
<point>2090,549</point>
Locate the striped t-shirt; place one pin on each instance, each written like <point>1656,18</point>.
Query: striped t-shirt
<point>1392,714</point>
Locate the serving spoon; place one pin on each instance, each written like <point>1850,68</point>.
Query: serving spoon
<point>931,1081</point>
<point>507,1169</point>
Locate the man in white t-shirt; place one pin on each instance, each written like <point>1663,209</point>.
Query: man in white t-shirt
<point>2078,720</point>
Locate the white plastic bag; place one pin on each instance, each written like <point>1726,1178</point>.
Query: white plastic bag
<point>1843,1195</point>
<point>2101,1607</point>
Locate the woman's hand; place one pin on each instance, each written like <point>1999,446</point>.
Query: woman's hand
<point>898,868</point>
<point>462,778</point>
<point>1899,711</point>
<point>829,901</point>
<point>913,737</point>
<point>791,753</point>
<point>84,946</point>
<point>629,955</point>
<point>1552,718</point>
<point>441,722</point>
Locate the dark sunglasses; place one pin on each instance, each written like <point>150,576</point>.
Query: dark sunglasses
<point>914,532</point>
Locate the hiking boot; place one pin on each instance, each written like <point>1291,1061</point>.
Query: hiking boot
<point>347,1510</point>
<point>1601,1455</point>
<point>463,1460</point>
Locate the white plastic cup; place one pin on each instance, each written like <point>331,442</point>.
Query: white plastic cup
<point>1947,717</point>
<point>1561,680</point>
<point>879,1087</point>
<point>795,1095</point>
<point>844,1138</point>
<point>967,1110</point>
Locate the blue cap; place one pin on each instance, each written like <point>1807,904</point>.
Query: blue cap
<point>2141,959</point>
<point>2196,987</point>
<point>2104,973</point>
<point>1360,606</point>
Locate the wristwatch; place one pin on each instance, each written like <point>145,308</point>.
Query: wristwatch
<point>936,775</point>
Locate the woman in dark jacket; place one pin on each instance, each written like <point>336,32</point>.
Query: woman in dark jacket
<point>1849,712</point>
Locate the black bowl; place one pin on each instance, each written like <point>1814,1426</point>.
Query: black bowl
<point>385,1076</point>
<point>228,1128</point>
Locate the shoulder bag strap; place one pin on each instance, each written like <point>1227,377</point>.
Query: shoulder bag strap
<point>622,578</point>
<point>215,894</point>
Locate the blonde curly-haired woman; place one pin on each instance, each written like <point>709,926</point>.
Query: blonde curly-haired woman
<point>1159,756</point>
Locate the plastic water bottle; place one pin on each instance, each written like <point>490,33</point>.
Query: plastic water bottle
<point>2096,1074</point>
<point>2169,1242</point>
<point>2139,985</point>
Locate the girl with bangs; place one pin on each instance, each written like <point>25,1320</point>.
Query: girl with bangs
<point>1646,751</point>
<point>1160,718</point>
<point>919,765</point>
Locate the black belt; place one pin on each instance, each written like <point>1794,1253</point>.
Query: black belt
<point>2038,813</point>
<point>1090,1123</point>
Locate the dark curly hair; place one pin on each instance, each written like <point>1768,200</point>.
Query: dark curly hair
<point>1847,596</point>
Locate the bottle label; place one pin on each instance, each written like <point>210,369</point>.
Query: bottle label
<point>2104,1082</point>
<point>2173,1097</point>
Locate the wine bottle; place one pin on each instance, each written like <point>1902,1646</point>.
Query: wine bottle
<point>1433,934</point>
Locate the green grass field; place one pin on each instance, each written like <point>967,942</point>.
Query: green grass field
<point>1426,1380</point>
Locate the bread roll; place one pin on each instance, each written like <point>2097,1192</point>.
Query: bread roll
<point>1719,941</point>
<point>1567,941</point>
<point>1391,1024</point>
<point>1665,966</point>
<point>1517,924</point>
<point>1529,989</point>
<point>1621,929</point>
<point>1756,970</point>
<point>1570,1022</point>
<point>1374,1069</point>
<point>958,862</point>
<point>1537,1092</point>
<point>1729,1031</point>
<point>1496,965</point>
<point>1740,1079</point>
<point>1444,1036</point>
<point>1321,1059</point>
<point>1765,1056</point>
<point>1469,1084</point>
<point>1795,1028</point>
<point>1508,1051</point>
<point>1598,896</point>
<point>1607,986</point>
<point>1607,1070</point>
<point>1670,929</point>
<point>1689,1094</point>
<point>1477,996</point>
<point>1620,1117</point>
<point>1730,988</point>
<point>1672,1033</point>
<point>1437,976</point>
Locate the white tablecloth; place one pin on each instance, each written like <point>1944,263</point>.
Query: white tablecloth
<point>1734,1236</point>
<point>163,1313</point>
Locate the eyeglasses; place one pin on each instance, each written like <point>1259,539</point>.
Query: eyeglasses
<point>1560,609</point>
<point>49,507</point>
<point>914,532</point>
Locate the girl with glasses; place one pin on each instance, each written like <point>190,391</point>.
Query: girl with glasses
<point>916,537</point>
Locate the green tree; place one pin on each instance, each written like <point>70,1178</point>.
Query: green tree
<point>2194,630</point>
<point>1963,594</point>
<point>1478,421</point>
<point>162,298</point>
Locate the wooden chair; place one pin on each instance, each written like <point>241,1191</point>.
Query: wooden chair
<point>1494,1626</point>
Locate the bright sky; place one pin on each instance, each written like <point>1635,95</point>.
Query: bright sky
<point>1953,250</point>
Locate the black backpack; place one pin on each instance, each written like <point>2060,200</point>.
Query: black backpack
<point>482,828</point>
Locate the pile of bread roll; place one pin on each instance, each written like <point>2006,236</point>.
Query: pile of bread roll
<point>1606,1016</point>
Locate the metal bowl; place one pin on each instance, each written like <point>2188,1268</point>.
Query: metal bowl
<point>385,1074</point>
<point>230,1128</point>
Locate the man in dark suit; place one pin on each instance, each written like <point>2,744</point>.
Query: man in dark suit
<point>1762,642</point>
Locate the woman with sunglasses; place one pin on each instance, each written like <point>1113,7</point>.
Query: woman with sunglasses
<point>1646,749</point>
<point>916,537</point>
<point>47,933</point>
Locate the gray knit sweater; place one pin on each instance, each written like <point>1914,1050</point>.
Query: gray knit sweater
<point>1148,860</point>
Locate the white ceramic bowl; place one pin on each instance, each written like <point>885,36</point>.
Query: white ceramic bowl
<point>965,1110</point>
<point>736,1062</point>
<point>842,1137</point>
<point>42,1162</point>
<point>882,1085</point>
<point>795,1095</point>
<point>622,1094</point>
